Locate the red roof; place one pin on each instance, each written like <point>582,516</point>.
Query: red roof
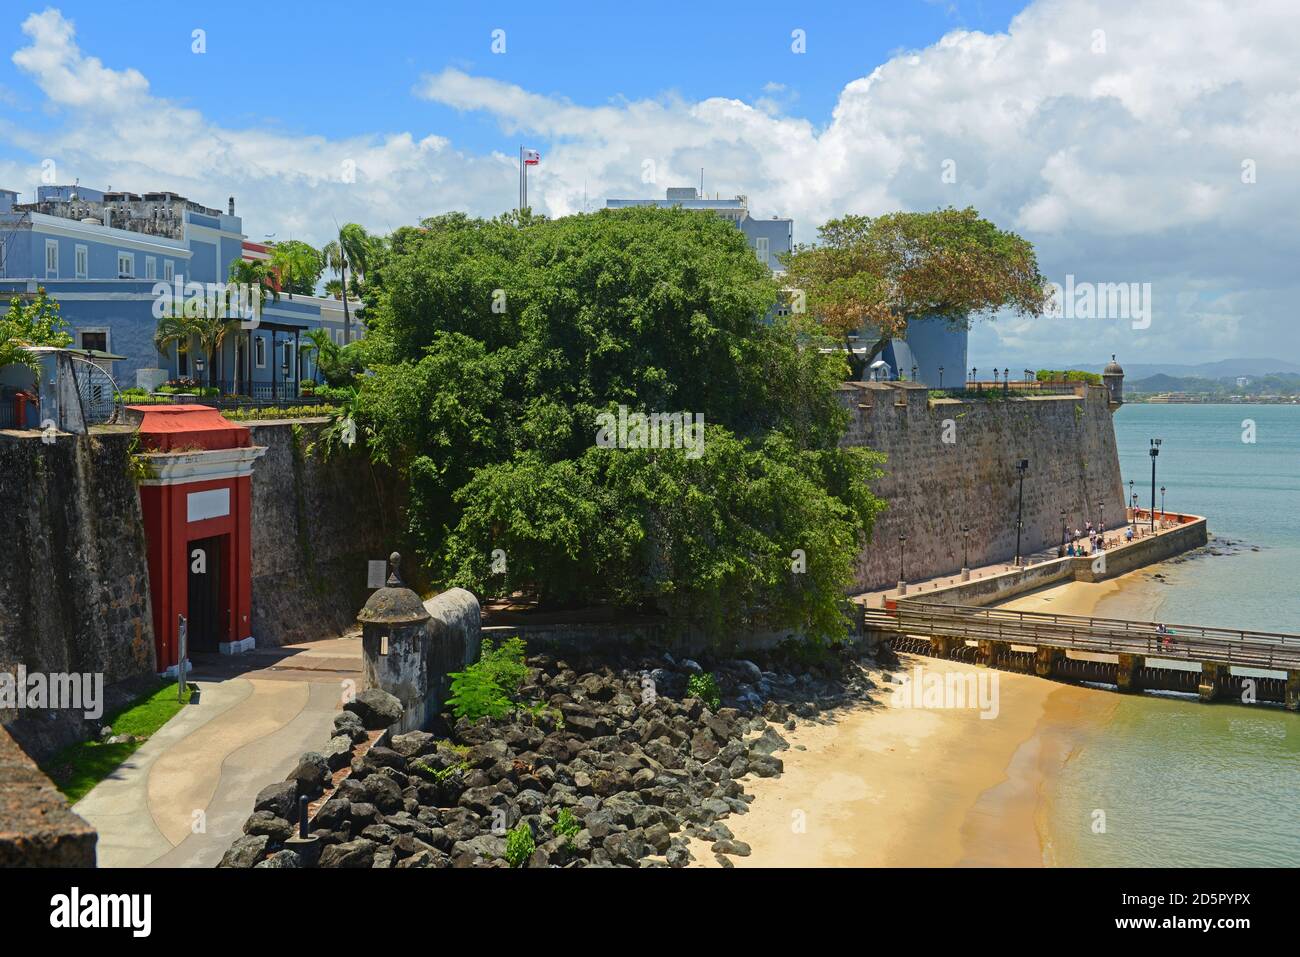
<point>179,428</point>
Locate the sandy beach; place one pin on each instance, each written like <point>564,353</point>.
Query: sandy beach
<point>890,786</point>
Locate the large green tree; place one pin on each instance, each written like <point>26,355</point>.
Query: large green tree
<point>495,345</point>
<point>878,274</point>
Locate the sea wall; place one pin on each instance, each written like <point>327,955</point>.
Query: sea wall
<point>316,522</point>
<point>951,463</point>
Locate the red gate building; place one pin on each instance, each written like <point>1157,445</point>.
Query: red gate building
<point>197,509</point>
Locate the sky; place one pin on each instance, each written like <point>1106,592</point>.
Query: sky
<point>1153,143</point>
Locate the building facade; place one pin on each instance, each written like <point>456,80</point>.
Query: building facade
<point>770,239</point>
<point>106,257</point>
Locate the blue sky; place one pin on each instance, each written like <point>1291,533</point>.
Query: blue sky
<point>281,70</point>
<point>1150,143</point>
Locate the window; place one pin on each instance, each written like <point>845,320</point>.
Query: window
<point>182,361</point>
<point>169,270</point>
<point>760,249</point>
<point>150,268</point>
<point>95,340</point>
<point>259,351</point>
<point>83,262</point>
<point>51,259</point>
<point>126,265</point>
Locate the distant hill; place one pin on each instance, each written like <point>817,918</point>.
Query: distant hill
<point>1285,383</point>
<point>1223,368</point>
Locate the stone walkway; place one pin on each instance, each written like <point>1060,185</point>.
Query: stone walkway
<point>1115,538</point>
<point>182,798</point>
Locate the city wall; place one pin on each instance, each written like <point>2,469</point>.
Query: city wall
<point>952,463</point>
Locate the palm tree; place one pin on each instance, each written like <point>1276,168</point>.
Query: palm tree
<point>335,286</point>
<point>253,274</point>
<point>350,251</point>
<point>208,330</point>
<point>296,263</point>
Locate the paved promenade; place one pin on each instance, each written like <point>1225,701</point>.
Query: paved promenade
<point>256,714</point>
<point>1115,539</point>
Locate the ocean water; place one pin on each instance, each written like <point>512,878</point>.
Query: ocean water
<point>1169,780</point>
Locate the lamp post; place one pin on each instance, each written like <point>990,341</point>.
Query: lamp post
<point>1006,380</point>
<point>1101,515</point>
<point>995,377</point>
<point>902,582</point>
<point>913,371</point>
<point>198,368</point>
<point>973,370</point>
<point>1021,468</point>
<point>1135,509</point>
<point>1162,505</point>
<point>940,377</point>
<point>965,553</point>
<point>1154,452</point>
<point>1061,553</point>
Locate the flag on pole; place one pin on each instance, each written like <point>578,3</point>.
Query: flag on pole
<point>532,157</point>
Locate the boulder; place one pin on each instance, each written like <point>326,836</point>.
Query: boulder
<point>281,799</point>
<point>312,774</point>
<point>264,822</point>
<point>246,851</point>
<point>376,708</point>
<point>358,853</point>
<point>282,860</point>
<point>414,743</point>
<point>346,722</point>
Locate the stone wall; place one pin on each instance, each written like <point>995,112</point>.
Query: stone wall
<point>74,595</point>
<point>316,523</point>
<point>934,486</point>
<point>36,827</point>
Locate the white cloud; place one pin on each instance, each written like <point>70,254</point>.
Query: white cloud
<point>1110,133</point>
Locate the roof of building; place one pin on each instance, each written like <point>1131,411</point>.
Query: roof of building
<point>176,428</point>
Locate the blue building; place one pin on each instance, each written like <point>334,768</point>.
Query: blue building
<point>105,256</point>
<point>769,238</point>
<point>933,352</point>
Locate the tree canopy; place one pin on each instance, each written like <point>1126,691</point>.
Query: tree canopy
<point>495,346</point>
<point>35,322</point>
<point>879,273</point>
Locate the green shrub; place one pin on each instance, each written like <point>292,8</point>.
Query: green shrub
<point>519,845</point>
<point>705,687</point>
<point>567,827</point>
<point>487,687</point>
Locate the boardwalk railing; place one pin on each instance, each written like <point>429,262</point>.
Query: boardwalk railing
<point>1254,649</point>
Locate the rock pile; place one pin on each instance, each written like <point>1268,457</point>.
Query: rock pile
<point>638,766</point>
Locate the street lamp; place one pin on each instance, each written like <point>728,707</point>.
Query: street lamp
<point>1063,534</point>
<point>902,582</point>
<point>965,553</point>
<point>913,371</point>
<point>1021,468</point>
<point>1162,504</point>
<point>973,370</point>
<point>1006,380</point>
<point>1101,515</point>
<point>940,377</point>
<point>1135,510</point>
<point>1154,452</point>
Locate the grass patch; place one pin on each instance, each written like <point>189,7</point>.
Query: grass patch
<point>79,767</point>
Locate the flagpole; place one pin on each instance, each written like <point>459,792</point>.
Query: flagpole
<point>521,180</point>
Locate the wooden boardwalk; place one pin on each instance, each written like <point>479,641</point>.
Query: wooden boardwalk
<point>1020,639</point>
